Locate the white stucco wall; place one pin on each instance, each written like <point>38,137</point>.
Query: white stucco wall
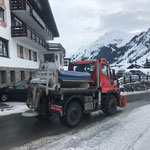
<point>13,60</point>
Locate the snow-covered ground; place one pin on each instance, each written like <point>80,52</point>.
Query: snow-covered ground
<point>126,131</point>
<point>12,108</point>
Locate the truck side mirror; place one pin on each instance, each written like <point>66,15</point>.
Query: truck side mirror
<point>113,74</point>
<point>70,67</point>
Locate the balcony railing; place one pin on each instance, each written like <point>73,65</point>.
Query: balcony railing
<point>26,6</point>
<point>17,4</point>
<point>19,31</point>
<point>25,31</point>
<point>56,47</point>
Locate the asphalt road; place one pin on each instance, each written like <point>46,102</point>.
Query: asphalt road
<point>16,130</point>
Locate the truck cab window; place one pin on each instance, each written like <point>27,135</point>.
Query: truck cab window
<point>84,67</point>
<point>104,70</point>
<point>110,75</point>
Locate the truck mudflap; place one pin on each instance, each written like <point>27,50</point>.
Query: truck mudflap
<point>123,101</point>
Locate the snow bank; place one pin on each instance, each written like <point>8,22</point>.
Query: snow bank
<point>128,130</point>
<point>135,92</point>
<point>12,108</point>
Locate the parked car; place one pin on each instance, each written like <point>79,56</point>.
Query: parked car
<point>119,73</point>
<point>126,77</point>
<point>15,92</point>
<point>137,72</point>
<point>122,73</point>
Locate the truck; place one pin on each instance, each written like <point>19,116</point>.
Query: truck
<point>88,86</point>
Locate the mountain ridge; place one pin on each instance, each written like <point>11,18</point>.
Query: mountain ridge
<point>117,47</point>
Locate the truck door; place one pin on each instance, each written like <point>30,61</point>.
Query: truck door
<point>105,78</point>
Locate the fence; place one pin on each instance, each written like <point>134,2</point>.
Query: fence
<point>134,83</point>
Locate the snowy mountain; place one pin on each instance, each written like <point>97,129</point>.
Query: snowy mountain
<point>117,47</point>
<point>137,50</point>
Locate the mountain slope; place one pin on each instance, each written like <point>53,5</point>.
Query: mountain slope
<point>110,43</point>
<point>138,49</point>
<point>117,48</point>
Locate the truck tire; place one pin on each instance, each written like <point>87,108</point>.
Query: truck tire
<point>73,115</point>
<point>110,106</point>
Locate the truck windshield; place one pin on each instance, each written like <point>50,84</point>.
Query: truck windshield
<point>84,67</point>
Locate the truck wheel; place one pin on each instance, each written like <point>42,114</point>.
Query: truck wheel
<point>73,114</point>
<point>110,106</point>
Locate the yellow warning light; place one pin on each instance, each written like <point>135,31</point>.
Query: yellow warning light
<point>103,59</point>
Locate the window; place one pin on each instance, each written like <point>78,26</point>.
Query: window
<point>29,33</point>
<point>49,58</point>
<point>22,75</point>
<point>30,56</point>
<point>21,85</point>
<point>21,52</point>
<point>17,22</point>
<point>38,39</point>
<point>104,70</point>
<point>12,76</point>
<point>35,56</point>
<point>3,47</point>
<point>66,63</point>
<point>38,4</point>
<point>30,74</point>
<point>33,37</point>
<point>84,67</point>
<point>3,77</point>
<point>2,15</point>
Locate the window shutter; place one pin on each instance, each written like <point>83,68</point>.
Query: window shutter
<point>26,53</point>
<point>18,51</point>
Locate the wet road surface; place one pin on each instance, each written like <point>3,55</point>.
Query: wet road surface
<point>16,130</point>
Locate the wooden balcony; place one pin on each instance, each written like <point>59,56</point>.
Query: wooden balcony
<point>24,11</point>
<point>28,36</point>
<point>56,47</point>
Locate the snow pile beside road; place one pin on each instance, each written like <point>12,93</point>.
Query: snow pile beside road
<point>135,92</point>
<point>12,108</point>
<point>125,131</point>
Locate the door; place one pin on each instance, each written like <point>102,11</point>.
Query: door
<point>19,91</point>
<point>105,78</point>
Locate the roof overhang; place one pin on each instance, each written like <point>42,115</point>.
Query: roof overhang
<point>46,14</point>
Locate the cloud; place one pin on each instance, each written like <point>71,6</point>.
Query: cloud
<point>83,21</point>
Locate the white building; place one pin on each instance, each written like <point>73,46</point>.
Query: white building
<point>25,26</point>
<point>54,57</point>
